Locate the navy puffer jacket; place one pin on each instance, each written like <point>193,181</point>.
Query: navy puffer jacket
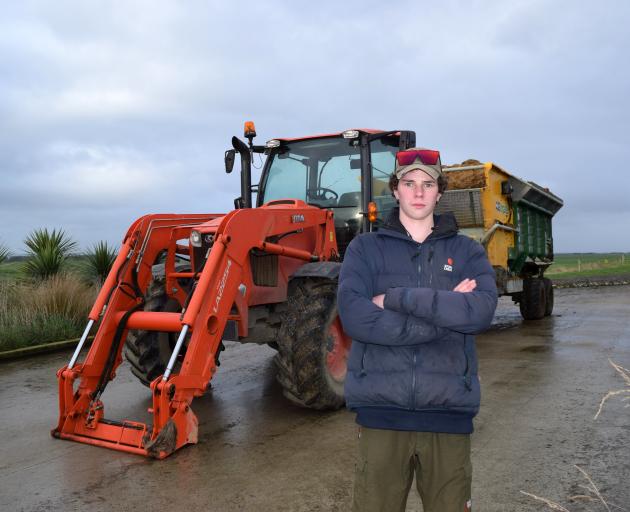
<point>413,364</point>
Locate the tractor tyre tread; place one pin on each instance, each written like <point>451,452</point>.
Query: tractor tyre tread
<point>142,347</point>
<point>147,355</point>
<point>301,358</point>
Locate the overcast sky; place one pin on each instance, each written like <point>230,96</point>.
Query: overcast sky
<point>113,109</point>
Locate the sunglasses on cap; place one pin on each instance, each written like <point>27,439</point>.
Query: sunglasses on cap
<point>426,156</point>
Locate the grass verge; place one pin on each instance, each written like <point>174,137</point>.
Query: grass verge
<point>51,310</point>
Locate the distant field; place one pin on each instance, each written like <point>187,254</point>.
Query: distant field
<point>11,270</point>
<point>574,265</point>
<point>566,265</point>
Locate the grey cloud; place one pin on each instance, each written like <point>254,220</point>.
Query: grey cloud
<point>109,111</point>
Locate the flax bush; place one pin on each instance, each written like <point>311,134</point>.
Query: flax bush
<point>47,252</point>
<point>99,262</point>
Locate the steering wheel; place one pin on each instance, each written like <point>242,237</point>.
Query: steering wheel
<point>320,193</point>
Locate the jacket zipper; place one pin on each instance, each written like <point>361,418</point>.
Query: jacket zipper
<point>419,279</point>
<point>431,248</point>
<point>412,401</point>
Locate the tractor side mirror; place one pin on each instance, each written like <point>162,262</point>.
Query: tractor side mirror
<point>355,163</point>
<point>230,156</point>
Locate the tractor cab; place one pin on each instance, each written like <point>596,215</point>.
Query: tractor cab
<point>346,172</point>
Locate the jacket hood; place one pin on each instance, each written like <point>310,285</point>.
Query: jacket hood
<point>444,226</point>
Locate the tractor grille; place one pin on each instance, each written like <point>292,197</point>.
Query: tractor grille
<point>465,205</point>
<point>264,268</point>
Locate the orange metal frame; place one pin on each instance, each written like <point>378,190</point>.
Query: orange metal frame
<point>224,282</point>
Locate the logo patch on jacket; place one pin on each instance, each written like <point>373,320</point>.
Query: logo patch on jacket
<point>449,265</point>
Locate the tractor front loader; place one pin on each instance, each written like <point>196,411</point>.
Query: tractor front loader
<point>231,264</point>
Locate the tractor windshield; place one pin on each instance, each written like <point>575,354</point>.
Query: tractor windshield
<point>324,172</point>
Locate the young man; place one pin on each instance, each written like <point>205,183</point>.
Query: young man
<point>412,295</point>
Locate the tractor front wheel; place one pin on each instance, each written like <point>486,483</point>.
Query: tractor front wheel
<point>148,352</point>
<point>312,347</point>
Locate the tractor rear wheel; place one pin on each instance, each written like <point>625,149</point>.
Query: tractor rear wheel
<point>533,301</point>
<point>312,347</point>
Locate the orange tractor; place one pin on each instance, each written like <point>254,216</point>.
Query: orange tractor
<point>265,274</point>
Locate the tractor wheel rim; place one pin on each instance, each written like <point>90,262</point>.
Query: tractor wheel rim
<point>337,351</point>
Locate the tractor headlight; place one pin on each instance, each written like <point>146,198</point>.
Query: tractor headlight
<point>350,134</point>
<point>195,238</point>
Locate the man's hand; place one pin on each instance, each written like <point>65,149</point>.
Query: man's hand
<point>467,285</point>
<point>378,300</point>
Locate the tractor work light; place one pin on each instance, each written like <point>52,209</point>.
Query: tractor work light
<point>273,143</point>
<point>195,238</point>
<point>350,134</point>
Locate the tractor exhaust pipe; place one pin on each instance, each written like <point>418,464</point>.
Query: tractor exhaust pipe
<point>246,171</point>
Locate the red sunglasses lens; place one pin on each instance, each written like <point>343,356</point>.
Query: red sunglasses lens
<point>426,156</point>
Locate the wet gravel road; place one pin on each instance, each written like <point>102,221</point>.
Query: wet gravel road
<point>541,381</point>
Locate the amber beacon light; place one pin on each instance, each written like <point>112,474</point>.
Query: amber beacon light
<point>372,212</point>
<point>250,129</point>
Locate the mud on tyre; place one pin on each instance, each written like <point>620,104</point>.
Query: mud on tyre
<point>312,348</point>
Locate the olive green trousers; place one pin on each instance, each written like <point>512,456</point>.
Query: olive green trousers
<point>388,460</point>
